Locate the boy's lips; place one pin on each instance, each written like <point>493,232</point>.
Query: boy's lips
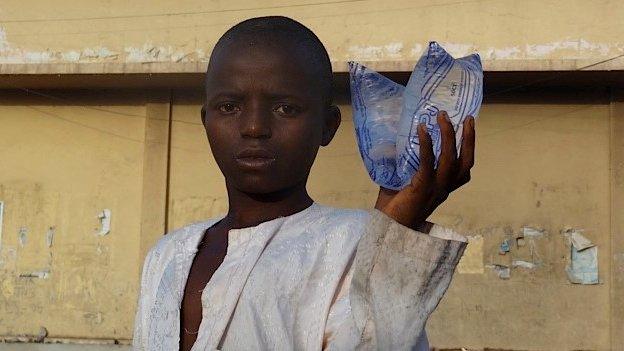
<point>254,158</point>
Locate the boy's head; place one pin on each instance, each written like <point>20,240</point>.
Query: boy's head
<point>268,104</point>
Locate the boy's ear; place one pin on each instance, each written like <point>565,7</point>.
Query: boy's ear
<point>332,122</point>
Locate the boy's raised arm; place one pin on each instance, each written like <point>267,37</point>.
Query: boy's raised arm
<point>403,264</point>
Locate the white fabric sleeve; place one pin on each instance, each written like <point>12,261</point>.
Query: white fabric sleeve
<point>138,339</point>
<point>398,277</point>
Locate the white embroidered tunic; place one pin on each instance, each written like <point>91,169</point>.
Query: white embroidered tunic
<point>322,278</point>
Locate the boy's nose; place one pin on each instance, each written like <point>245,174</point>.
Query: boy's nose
<point>256,123</point>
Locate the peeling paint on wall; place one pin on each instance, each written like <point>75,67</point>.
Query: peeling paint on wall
<point>532,232</point>
<point>22,236</point>
<point>50,236</point>
<point>141,54</point>
<point>391,51</point>
<point>523,264</point>
<point>579,46</point>
<point>569,48</point>
<point>65,271</point>
<point>99,53</point>
<point>502,53</point>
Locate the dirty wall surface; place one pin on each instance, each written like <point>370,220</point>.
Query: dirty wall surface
<point>160,36</point>
<point>89,180</point>
<point>541,168</point>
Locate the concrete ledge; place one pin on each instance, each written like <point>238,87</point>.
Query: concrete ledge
<point>608,64</point>
<point>495,82</point>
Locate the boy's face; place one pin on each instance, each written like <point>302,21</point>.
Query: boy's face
<point>265,115</point>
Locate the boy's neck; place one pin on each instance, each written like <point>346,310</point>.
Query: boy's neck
<point>248,210</point>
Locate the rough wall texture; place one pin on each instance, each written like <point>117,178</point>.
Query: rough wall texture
<point>545,162</point>
<point>541,163</point>
<point>510,35</point>
<point>61,167</point>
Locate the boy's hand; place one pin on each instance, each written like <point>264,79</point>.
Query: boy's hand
<point>412,205</point>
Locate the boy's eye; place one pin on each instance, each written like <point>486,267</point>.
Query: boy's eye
<point>286,110</point>
<point>228,108</point>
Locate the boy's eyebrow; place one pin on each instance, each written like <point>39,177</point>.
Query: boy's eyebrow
<point>225,94</point>
<point>239,95</point>
<point>281,96</point>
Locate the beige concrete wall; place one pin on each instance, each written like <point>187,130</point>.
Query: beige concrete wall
<point>548,167</point>
<point>61,164</point>
<point>543,161</point>
<point>617,220</point>
<point>539,164</point>
<point>121,36</point>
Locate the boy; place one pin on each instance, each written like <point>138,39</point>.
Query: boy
<point>280,272</point>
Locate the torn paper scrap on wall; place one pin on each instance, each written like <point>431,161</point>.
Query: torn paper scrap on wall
<point>583,268</point>
<point>503,272</point>
<point>472,261</point>
<point>523,264</point>
<point>526,249</point>
<point>579,241</point>
<point>583,265</point>
<point>504,247</point>
<point>532,232</point>
<point>520,240</point>
<point>105,222</point>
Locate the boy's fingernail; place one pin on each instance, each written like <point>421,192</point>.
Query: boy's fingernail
<point>472,121</point>
<point>445,115</point>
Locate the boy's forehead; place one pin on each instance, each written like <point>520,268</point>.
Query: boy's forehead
<point>260,63</point>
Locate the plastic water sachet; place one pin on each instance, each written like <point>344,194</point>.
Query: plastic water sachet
<point>386,115</point>
<point>437,83</point>
<point>377,102</point>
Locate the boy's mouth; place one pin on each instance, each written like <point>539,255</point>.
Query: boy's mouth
<point>254,158</point>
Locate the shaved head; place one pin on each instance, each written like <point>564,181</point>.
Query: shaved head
<point>282,34</point>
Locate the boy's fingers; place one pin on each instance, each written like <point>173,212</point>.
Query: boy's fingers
<point>466,158</point>
<point>410,204</point>
<point>423,178</point>
<point>447,168</point>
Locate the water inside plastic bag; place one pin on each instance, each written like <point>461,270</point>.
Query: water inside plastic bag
<point>386,114</point>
